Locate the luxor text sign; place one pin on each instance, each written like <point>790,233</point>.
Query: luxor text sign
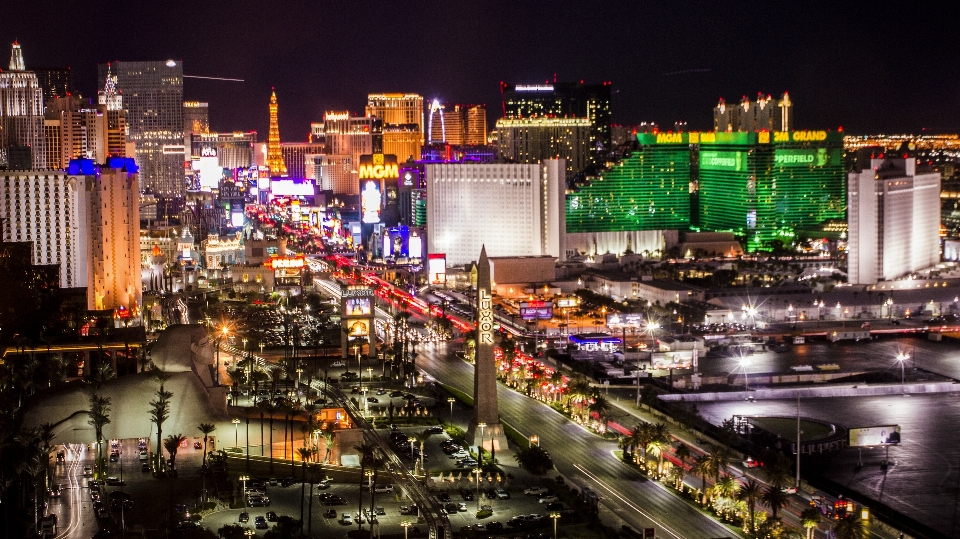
<point>536,310</point>
<point>871,436</point>
<point>484,317</point>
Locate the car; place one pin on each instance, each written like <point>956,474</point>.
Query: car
<point>443,497</point>
<point>550,498</point>
<point>244,517</point>
<point>324,484</point>
<point>338,364</point>
<point>260,523</point>
<point>259,501</point>
<point>381,391</point>
<point>451,508</point>
<point>87,471</point>
<point>436,429</point>
<point>319,402</point>
<point>103,512</point>
<point>143,454</point>
<point>145,467</point>
<point>396,394</point>
<point>271,516</point>
<point>381,511</point>
<point>197,445</point>
<point>379,489</point>
<point>54,491</point>
<point>335,500</point>
<point>502,494</point>
<point>750,463</point>
<point>373,400</point>
<point>789,490</point>
<point>142,443</point>
<point>491,493</point>
<point>114,457</point>
<point>346,519</point>
<point>461,507</point>
<point>554,506</point>
<point>536,491</point>
<point>409,510</point>
<point>181,511</point>
<point>115,481</point>
<point>461,454</point>
<point>287,481</point>
<point>331,513</point>
<point>466,494</point>
<point>467,463</point>
<point>349,374</point>
<point>493,526</point>
<point>272,481</point>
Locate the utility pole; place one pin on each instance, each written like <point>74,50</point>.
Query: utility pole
<point>798,441</point>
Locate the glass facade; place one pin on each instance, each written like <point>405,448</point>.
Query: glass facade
<point>763,186</point>
<point>650,190</point>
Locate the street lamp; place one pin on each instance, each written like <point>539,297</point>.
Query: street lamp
<point>480,446</point>
<point>477,472</point>
<point>901,357</point>
<point>555,516</point>
<point>236,431</point>
<point>451,400</point>
<point>244,478</point>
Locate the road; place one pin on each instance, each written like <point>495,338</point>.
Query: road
<point>584,458</point>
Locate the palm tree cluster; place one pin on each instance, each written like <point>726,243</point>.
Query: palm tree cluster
<point>655,440</point>
<point>159,413</point>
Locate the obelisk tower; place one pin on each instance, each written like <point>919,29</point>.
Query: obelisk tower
<point>485,428</point>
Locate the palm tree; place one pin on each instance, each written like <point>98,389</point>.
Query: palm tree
<point>775,499</point>
<point>642,434</point>
<point>703,466</point>
<point>720,455</point>
<point>657,447</point>
<point>727,486</point>
<point>160,412</point>
<point>421,438</point>
<point>849,528</point>
<point>45,436</point>
<point>579,391</point>
<point>601,407</point>
<point>304,456</point>
<point>206,429</point>
<point>751,493</point>
<point>682,452</point>
<point>366,451</point>
<point>172,445</point>
<point>99,417</point>
<point>778,474</point>
<point>810,519</point>
<point>557,380</point>
<point>268,408</point>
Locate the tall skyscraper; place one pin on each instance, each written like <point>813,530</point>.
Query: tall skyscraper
<point>894,225</point>
<point>74,129</point>
<point>352,136</point>
<point>457,124</point>
<point>402,117</point>
<point>196,119</point>
<point>152,95</point>
<point>763,186</point>
<point>295,156</point>
<point>112,101</point>
<point>563,100</point>
<point>274,154</point>
<point>55,82</point>
<point>114,238</point>
<point>233,150</point>
<point>513,209</point>
<point>532,140</point>
<point>21,116</point>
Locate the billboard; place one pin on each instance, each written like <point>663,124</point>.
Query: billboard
<point>870,436</point>
<point>536,310</point>
<point>437,269</point>
<point>358,328</point>
<point>357,307</point>
<point>713,160</point>
<point>298,187</point>
<point>565,303</point>
<point>370,206</point>
<point>631,320</point>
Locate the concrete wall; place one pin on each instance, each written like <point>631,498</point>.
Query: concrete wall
<point>815,392</point>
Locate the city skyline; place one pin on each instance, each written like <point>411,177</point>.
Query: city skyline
<point>842,66</point>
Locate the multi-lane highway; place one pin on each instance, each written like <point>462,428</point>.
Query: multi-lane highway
<point>584,458</point>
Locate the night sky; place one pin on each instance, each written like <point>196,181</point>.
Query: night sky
<point>868,69</point>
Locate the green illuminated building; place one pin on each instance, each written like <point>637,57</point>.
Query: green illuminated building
<point>650,190</point>
<point>765,185</point>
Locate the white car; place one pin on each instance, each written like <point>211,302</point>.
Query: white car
<point>339,364</point>
<point>548,499</point>
<point>789,490</point>
<point>143,454</point>
<point>383,488</point>
<point>535,491</point>
<point>462,454</point>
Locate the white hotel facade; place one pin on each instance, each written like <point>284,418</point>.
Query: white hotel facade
<point>512,209</point>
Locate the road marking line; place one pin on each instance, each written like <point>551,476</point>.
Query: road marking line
<point>629,504</point>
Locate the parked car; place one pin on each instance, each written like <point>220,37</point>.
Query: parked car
<point>493,526</point>
<point>145,467</point>
<point>536,491</point>
<point>287,481</point>
<point>244,517</point>
<point>346,519</point>
<point>436,429</point>
<point>554,506</point>
<point>338,364</point>
<point>548,499</point>
<point>443,497</point>
<point>379,489</point>
<point>502,494</point>
<point>260,523</point>
<point>466,494</point>
<point>330,513</point>
<point>143,454</point>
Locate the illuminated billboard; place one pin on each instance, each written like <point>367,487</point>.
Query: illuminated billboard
<point>870,436</point>
<point>632,320</point>
<point>567,302</point>
<point>370,201</point>
<point>536,310</point>
<point>289,262</point>
<point>416,246</point>
<point>378,167</point>
<point>713,160</point>
<point>297,187</point>
<point>358,328</point>
<point>437,269</point>
<point>357,307</point>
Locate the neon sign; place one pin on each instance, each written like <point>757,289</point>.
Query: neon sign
<point>484,317</point>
